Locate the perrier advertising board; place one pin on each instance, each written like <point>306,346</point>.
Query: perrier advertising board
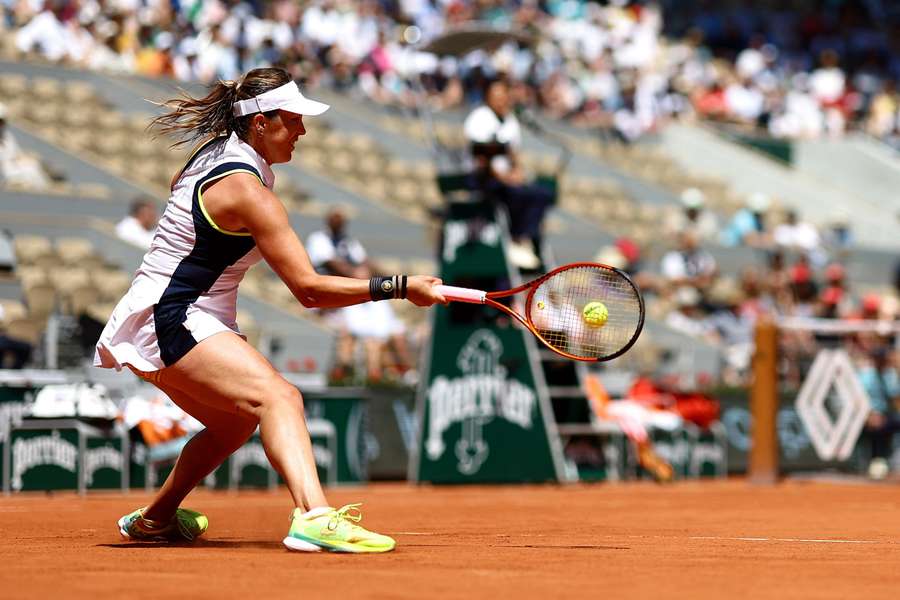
<point>483,409</point>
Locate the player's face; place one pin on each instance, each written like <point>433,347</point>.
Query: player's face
<point>281,134</point>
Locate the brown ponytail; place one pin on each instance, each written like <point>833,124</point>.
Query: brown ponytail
<point>196,119</point>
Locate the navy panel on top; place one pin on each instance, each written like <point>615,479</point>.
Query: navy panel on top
<point>213,252</point>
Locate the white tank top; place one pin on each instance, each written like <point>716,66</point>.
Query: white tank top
<point>193,264</point>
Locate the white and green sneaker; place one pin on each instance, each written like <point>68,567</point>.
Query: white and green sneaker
<point>334,530</point>
<point>185,526</point>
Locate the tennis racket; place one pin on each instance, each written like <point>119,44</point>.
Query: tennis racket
<point>557,310</point>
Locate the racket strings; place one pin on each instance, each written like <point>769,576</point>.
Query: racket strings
<point>557,311</point>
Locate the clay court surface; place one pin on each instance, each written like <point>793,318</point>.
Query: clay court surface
<point>688,540</point>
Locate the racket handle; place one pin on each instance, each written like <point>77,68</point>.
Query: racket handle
<point>460,294</point>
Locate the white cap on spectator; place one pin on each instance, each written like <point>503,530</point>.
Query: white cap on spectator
<point>759,202</point>
<point>2,111</point>
<point>286,97</point>
<point>693,198</point>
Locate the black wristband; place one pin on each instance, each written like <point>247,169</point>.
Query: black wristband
<point>387,288</point>
<point>381,288</point>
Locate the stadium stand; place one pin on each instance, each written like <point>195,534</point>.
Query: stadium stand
<point>372,154</point>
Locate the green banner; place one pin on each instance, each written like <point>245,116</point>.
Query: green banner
<point>65,454</point>
<point>12,409</point>
<point>482,405</point>
<point>340,413</point>
<point>43,459</point>
<point>247,467</point>
<point>103,462</point>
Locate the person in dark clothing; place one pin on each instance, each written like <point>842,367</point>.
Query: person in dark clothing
<point>494,135</point>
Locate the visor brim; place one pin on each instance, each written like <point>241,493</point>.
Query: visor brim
<point>305,107</point>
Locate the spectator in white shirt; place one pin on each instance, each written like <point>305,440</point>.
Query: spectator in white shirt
<point>16,167</point>
<point>45,34</point>
<point>333,252</point>
<point>795,234</point>
<point>689,265</point>
<point>828,85</point>
<point>494,135</point>
<point>139,226</point>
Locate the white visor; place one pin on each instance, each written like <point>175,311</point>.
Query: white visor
<point>286,97</point>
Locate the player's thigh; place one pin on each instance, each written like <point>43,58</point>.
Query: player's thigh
<point>227,425</point>
<point>225,372</point>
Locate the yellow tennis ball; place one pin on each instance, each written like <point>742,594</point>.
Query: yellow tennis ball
<point>595,314</point>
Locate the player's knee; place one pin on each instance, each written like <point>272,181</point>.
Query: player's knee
<point>284,397</point>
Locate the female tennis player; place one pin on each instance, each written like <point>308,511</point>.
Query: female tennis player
<point>176,325</point>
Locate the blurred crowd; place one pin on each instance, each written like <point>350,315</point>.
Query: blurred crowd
<point>792,72</point>
<point>797,72</point>
<point>799,271</point>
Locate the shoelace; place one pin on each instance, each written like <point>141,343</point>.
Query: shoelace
<point>349,512</point>
<point>149,526</point>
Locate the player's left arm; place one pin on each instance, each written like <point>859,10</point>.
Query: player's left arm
<point>240,201</point>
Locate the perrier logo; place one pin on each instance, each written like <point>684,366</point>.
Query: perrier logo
<point>474,399</point>
<point>41,450</point>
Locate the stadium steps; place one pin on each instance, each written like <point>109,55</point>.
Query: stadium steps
<point>615,204</point>
<point>83,177</point>
<point>701,150</point>
<point>853,163</point>
<point>129,94</point>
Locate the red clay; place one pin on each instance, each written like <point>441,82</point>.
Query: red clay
<point>585,541</point>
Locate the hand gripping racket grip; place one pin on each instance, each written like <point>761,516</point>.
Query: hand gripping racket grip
<point>459,294</point>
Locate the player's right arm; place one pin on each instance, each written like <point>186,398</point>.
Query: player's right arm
<point>239,202</point>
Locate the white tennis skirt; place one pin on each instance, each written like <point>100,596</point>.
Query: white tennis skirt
<point>129,337</point>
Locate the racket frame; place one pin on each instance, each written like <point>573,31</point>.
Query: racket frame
<point>477,297</point>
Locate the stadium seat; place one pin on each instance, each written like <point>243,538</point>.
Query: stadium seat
<point>112,285</point>
<point>370,165</point>
<point>110,121</point>
<point>77,117</point>
<point>40,299</point>
<point>112,143</point>
<point>73,250</point>
<point>361,143</point>
<point>100,311</point>
<point>398,169</point>
<point>30,275</point>
<point>430,195</point>
<point>79,93</point>
<point>66,279</point>
<point>46,90</point>
<point>27,329</point>
<point>31,247</point>
<point>13,85</point>
<point>341,162</point>
<point>12,309</point>
<point>80,298</point>
<point>251,286</point>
